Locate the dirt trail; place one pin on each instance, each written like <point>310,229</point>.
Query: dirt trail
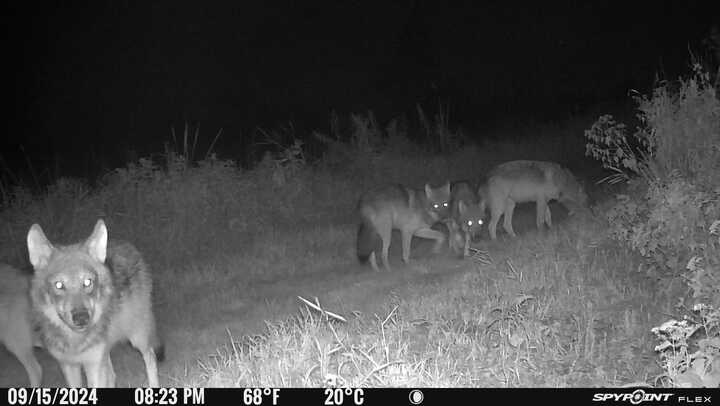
<point>342,288</point>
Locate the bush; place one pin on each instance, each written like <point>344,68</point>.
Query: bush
<point>671,165</point>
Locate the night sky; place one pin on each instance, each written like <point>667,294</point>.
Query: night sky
<point>93,81</point>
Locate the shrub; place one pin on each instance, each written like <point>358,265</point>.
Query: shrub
<point>671,165</point>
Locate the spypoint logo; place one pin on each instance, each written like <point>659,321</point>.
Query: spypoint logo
<point>635,398</point>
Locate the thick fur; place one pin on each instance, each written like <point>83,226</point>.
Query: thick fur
<point>16,327</point>
<point>411,211</point>
<point>467,216</point>
<point>529,181</point>
<point>87,297</point>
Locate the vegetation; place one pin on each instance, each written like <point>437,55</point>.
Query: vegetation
<point>670,213</point>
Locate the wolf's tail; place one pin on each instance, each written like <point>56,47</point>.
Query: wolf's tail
<point>368,240</point>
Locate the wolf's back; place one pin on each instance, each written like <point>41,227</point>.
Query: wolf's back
<point>129,271</point>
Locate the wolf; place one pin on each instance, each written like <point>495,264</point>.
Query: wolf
<point>467,215</point>
<point>86,297</point>
<point>17,331</point>
<point>409,210</point>
<point>527,181</point>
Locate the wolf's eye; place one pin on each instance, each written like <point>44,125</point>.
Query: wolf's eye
<point>480,222</point>
<point>436,206</point>
<point>470,223</point>
<point>59,285</point>
<point>87,282</point>
<point>445,204</point>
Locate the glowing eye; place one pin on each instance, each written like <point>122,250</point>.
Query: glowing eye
<point>59,285</point>
<point>87,282</point>
<point>469,223</point>
<point>445,204</point>
<point>480,222</point>
<point>436,205</point>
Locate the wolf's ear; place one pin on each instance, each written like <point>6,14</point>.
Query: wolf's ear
<point>39,247</point>
<point>462,207</point>
<point>96,244</point>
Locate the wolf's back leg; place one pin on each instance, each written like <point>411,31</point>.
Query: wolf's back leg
<point>496,211</point>
<point>384,228</point>
<point>548,216</point>
<point>406,244</point>
<point>492,226</point>
<point>541,214</point>
<point>507,221</point>
<point>144,339</point>
<point>150,359</point>
<point>151,368</point>
<point>373,262</point>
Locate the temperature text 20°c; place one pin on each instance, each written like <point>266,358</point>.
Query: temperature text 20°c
<point>337,396</point>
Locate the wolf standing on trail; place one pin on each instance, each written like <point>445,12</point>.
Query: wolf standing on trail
<point>411,211</point>
<point>86,298</point>
<point>16,327</point>
<point>529,181</point>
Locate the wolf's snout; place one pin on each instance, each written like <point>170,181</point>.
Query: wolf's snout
<point>80,317</point>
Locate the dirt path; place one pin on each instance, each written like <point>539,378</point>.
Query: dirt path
<point>342,288</point>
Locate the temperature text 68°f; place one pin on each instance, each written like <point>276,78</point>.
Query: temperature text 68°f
<point>255,396</point>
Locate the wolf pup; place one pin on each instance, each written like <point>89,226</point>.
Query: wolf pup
<point>86,298</point>
<point>467,214</point>
<point>411,211</point>
<point>529,181</point>
<point>16,327</point>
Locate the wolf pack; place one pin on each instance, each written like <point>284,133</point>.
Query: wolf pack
<point>462,206</point>
<point>82,299</point>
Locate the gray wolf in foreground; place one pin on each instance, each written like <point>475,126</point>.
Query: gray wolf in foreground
<point>411,211</point>
<point>529,181</point>
<point>467,214</point>
<point>16,327</point>
<point>86,298</point>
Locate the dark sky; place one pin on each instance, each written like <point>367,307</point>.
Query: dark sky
<point>96,79</point>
